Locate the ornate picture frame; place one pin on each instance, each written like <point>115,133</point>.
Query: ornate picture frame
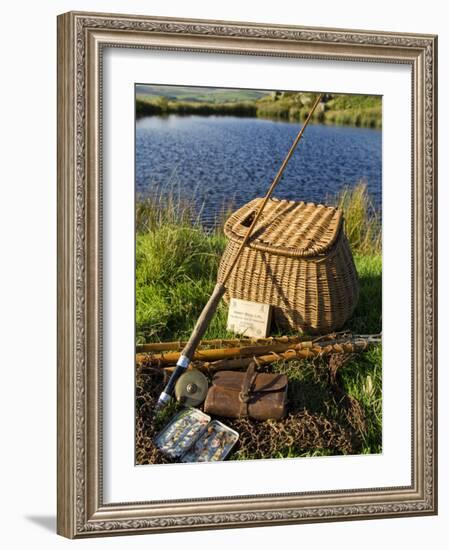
<point>82,38</point>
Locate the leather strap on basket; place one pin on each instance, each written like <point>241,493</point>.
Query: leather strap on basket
<point>245,393</point>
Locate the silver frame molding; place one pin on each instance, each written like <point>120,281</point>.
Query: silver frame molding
<point>81,38</point>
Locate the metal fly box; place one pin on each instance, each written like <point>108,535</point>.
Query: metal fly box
<point>181,432</point>
<point>214,443</point>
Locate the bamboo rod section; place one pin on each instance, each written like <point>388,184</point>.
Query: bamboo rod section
<point>290,355</point>
<point>157,347</point>
<point>210,355</point>
<point>240,357</point>
<point>171,358</point>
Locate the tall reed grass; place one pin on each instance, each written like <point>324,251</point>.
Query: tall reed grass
<point>362,222</point>
<point>176,265</point>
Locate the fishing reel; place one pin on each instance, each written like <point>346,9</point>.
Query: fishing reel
<point>191,388</point>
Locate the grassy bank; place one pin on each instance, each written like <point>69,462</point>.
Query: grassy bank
<point>163,107</point>
<point>176,268</point>
<point>355,110</point>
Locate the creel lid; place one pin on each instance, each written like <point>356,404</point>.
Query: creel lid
<point>287,227</point>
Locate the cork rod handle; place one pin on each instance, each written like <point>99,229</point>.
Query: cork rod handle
<point>203,321</point>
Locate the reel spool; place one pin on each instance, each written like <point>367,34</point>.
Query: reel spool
<point>191,388</point>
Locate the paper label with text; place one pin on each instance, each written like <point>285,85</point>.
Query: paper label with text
<point>249,318</point>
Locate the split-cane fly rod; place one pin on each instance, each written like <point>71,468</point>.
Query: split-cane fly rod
<point>220,288</point>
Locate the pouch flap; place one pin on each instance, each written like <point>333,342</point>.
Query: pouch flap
<point>264,382</point>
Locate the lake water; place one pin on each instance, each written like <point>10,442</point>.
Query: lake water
<point>218,160</point>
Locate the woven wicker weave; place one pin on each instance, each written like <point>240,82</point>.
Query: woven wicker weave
<point>298,260</point>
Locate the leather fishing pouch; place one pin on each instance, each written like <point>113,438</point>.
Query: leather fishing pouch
<point>247,394</point>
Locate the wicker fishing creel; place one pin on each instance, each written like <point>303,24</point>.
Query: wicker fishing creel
<point>298,260</point>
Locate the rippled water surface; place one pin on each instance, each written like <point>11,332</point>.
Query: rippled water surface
<point>219,160</point>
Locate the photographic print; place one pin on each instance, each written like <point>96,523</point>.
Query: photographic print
<point>258,282</point>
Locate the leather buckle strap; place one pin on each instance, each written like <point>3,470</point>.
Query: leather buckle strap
<point>246,393</point>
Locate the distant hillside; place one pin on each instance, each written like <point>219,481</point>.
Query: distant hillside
<point>197,94</point>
